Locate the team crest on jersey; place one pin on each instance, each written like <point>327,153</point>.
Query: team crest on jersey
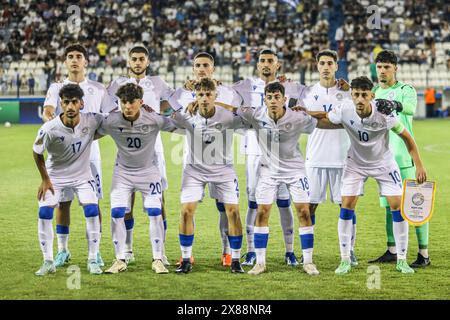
<point>352,122</point>
<point>145,128</point>
<point>288,126</point>
<point>339,96</point>
<point>193,94</point>
<point>391,95</point>
<point>121,129</point>
<point>61,138</point>
<point>90,90</point>
<point>316,97</point>
<point>218,126</point>
<point>254,88</point>
<point>85,130</point>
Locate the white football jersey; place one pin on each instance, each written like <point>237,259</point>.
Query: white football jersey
<point>68,149</point>
<point>210,142</point>
<point>325,148</point>
<point>182,98</point>
<point>225,94</point>
<point>96,98</point>
<point>278,141</point>
<point>252,92</point>
<point>135,140</point>
<point>154,87</point>
<point>369,137</point>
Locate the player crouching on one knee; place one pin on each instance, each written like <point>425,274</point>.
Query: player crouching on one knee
<point>367,123</point>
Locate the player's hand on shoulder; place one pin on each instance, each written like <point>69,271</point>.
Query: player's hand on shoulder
<point>189,85</point>
<point>147,108</point>
<point>48,114</point>
<point>387,106</point>
<point>343,85</point>
<point>282,78</point>
<point>192,108</point>
<point>299,108</point>
<point>43,188</point>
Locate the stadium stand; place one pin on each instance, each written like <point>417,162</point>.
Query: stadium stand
<point>33,35</point>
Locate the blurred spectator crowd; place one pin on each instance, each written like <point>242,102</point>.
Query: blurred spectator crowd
<point>233,31</point>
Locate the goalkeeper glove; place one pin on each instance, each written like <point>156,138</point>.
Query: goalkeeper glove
<point>387,106</point>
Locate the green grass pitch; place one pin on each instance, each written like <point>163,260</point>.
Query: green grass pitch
<point>20,254</point>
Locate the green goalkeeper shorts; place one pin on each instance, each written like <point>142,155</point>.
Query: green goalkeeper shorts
<point>406,173</point>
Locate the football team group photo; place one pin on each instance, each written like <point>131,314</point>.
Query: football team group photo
<point>225,149</point>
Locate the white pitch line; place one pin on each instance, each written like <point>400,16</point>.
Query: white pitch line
<point>432,148</point>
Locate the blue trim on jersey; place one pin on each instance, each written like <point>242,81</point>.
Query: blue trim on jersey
<point>165,224</point>
<point>307,241</point>
<point>90,210</point>
<point>346,214</point>
<point>235,242</point>
<point>154,212</point>
<point>220,206</point>
<point>354,217</point>
<point>283,203</point>
<point>129,224</point>
<point>186,240</point>
<point>46,213</point>
<point>118,212</point>
<point>252,205</point>
<point>397,216</point>
<point>261,240</point>
<point>62,229</point>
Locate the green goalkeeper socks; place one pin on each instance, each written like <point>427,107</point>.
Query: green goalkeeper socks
<point>422,236</point>
<point>389,228</point>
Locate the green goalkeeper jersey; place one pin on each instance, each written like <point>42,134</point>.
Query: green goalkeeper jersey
<point>407,96</point>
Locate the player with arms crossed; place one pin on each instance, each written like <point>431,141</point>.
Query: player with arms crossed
<point>203,67</point>
<point>210,136</point>
<point>67,139</point>
<point>252,92</point>
<point>135,131</point>
<point>391,89</point>
<point>155,90</point>
<point>95,99</point>
<point>369,156</point>
<point>326,150</point>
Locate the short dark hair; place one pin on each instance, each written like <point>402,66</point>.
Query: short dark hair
<point>129,92</point>
<point>387,56</point>
<point>71,91</point>
<point>75,47</point>
<point>327,53</point>
<point>204,54</point>
<point>274,87</point>
<point>138,49</point>
<point>362,83</point>
<point>267,51</point>
<point>206,84</point>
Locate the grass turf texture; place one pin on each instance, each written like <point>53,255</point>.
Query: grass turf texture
<point>209,280</point>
